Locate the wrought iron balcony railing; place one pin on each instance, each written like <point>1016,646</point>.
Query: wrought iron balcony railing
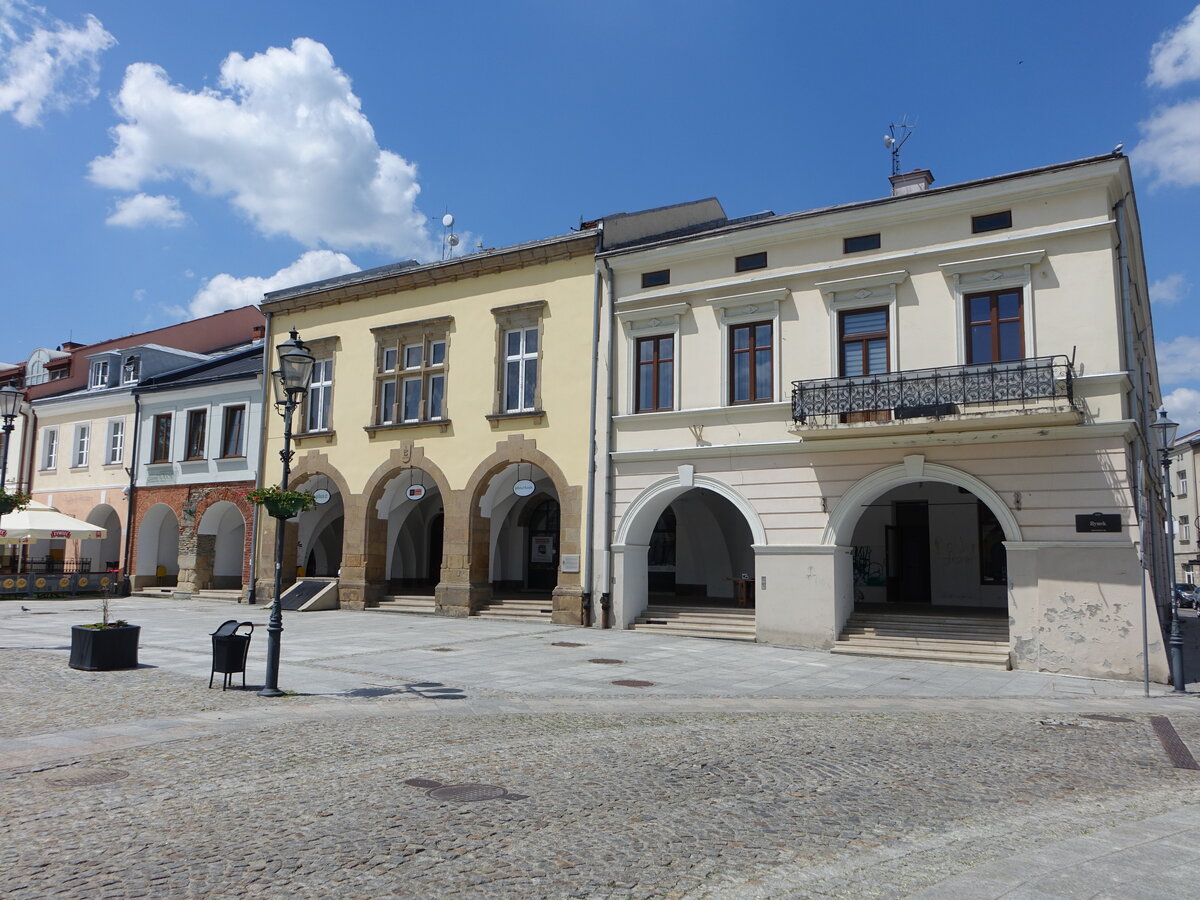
<point>936,393</point>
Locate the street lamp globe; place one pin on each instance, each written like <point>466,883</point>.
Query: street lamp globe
<point>295,365</point>
<point>1165,430</point>
<point>10,402</point>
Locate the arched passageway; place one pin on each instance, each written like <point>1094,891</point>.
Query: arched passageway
<point>157,559</point>
<point>413,507</point>
<point>220,547</point>
<point>519,507</point>
<point>105,553</point>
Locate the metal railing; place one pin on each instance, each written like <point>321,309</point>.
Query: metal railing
<point>45,566</point>
<point>936,393</point>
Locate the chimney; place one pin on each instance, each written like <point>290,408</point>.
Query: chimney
<point>911,182</point>
<point>67,346</point>
<point>257,332</point>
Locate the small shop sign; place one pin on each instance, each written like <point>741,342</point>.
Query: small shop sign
<point>1098,523</point>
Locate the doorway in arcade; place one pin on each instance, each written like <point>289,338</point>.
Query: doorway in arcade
<point>524,536</point>
<point>700,554</point>
<point>319,544</point>
<point>413,507</point>
<point>930,548</point>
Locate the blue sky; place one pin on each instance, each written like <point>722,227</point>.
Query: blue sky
<point>159,161</point>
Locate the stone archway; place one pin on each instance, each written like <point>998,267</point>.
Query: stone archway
<point>370,534</point>
<point>465,583</point>
<point>157,553</point>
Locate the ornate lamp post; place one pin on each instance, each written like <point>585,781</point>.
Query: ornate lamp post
<point>290,383</point>
<point>10,405</point>
<point>1165,430</point>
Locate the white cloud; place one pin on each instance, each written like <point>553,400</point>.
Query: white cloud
<point>1171,137</point>
<point>284,138</point>
<point>1176,57</point>
<point>147,209</point>
<point>1170,290</point>
<point>1178,359</point>
<point>45,63</point>
<point>224,291</point>
<point>1183,405</point>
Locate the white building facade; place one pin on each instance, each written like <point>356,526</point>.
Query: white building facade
<point>916,403</point>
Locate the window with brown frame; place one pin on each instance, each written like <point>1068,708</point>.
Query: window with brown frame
<point>197,422</point>
<point>233,427</point>
<point>995,326</point>
<point>751,363</point>
<point>160,441</point>
<point>656,373</point>
<point>864,337</point>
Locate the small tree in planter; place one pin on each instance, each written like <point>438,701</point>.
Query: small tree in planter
<point>105,645</point>
<point>12,501</point>
<point>281,503</point>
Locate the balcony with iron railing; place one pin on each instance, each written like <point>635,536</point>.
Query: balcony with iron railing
<point>1038,390</point>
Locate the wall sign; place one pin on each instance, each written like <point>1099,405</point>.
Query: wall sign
<point>1094,523</point>
<point>415,491</point>
<point>541,549</point>
<point>523,488</point>
<point>320,495</point>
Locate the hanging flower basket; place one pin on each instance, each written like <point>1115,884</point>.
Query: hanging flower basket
<point>282,504</point>
<point>12,501</point>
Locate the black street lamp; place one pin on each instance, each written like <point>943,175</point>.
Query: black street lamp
<point>290,383</point>
<point>10,405</point>
<point>1165,430</point>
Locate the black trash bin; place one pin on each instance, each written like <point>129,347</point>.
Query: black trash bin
<point>230,649</point>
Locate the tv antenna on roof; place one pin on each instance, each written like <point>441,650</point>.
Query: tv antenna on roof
<point>898,134</point>
<point>449,238</point>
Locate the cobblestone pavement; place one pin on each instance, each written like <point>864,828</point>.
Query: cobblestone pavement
<point>307,797</point>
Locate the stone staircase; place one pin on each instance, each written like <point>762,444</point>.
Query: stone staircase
<point>414,604</point>
<point>968,640</point>
<point>723,623</point>
<point>531,608</point>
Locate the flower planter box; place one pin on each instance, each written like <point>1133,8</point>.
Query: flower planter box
<point>7,505</point>
<point>104,649</point>
<point>283,507</point>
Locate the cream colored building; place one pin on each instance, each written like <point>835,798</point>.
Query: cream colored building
<point>916,404</point>
<point>447,430</point>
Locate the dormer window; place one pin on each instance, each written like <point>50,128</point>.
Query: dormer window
<point>131,371</point>
<point>98,375</point>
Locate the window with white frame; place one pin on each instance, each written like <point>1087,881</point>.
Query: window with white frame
<point>410,372</point>
<point>98,374</point>
<point>114,444</point>
<point>49,449</point>
<point>83,439</point>
<point>520,369</point>
<point>519,355</point>
<point>131,371</point>
<point>1185,529</point>
<point>320,396</point>
<point>1181,479</point>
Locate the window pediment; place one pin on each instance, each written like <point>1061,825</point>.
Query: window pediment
<point>877,288</point>
<point>653,317</point>
<point>755,305</point>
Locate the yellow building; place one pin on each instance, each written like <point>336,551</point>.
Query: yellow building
<point>449,470</point>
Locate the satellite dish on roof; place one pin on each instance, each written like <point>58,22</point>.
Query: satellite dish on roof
<point>448,220</point>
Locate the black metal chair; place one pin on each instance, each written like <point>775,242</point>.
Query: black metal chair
<point>230,650</point>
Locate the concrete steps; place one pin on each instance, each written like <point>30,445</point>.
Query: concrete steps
<point>966,640</point>
<point>698,621</point>
<point>524,608</point>
<point>415,605</point>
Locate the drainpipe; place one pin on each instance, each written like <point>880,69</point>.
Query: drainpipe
<point>606,595</point>
<point>132,472</point>
<point>252,596</point>
<point>590,525</point>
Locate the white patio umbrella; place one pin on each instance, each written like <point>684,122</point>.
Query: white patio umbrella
<point>39,522</point>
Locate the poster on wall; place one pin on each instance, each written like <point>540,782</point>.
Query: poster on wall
<point>541,549</point>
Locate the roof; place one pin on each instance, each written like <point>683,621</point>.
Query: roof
<point>242,363</point>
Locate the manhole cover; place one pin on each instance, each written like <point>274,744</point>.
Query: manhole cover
<point>442,650</point>
<point>422,783</point>
<point>567,644</point>
<point>468,792</point>
<point>607,662</point>
<point>86,777</point>
<point>633,682</point>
